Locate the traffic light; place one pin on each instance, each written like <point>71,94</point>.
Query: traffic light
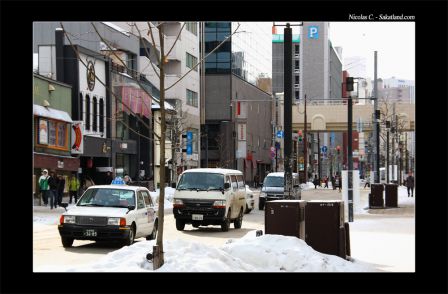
<point>338,148</point>
<point>300,138</point>
<point>349,84</point>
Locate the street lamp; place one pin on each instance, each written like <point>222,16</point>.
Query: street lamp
<point>387,150</point>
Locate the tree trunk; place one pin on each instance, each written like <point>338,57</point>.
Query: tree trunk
<point>159,252</point>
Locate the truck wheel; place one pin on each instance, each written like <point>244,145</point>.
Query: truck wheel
<point>225,224</point>
<point>261,204</point>
<point>154,232</point>
<point>67,242</point>
<point>180,225</point>
<point>130,239</point>
<point>239,221</point>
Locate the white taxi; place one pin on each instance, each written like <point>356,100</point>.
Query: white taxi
<point>110,212</point>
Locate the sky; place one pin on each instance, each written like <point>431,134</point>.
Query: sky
<point>374,243</point>
<point>394,41</point>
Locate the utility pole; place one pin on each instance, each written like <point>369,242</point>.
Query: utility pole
<point>288,109</point>
<point>350,160</point>
<point>387,151</point>
<point>305,145</point>
<point>394,138</point>
<point>376,162</point>
<point>318,157</point>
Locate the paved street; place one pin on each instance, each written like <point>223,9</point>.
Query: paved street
<point>381,237</point>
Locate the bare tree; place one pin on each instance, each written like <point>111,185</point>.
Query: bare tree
<point>162,59</point>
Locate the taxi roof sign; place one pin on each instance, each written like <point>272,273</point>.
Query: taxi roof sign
<point>118,181</point>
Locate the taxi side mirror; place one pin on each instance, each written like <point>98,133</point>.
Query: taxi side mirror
<point>130,207</point>
<point>64,204</point>
<point>226,186</point>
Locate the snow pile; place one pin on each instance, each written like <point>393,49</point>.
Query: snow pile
<point>267,253</point>
<point>169,194</point>
<point>307,186</point>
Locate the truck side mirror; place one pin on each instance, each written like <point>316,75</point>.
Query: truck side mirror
<point>226,186</point>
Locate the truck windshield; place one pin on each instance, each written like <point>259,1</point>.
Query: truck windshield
<point>108,197</point>
<point>201,181</point>
<point>273,182</point>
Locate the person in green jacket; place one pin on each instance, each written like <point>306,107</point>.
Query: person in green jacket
<point>43,186</point>
<point>73,185</point>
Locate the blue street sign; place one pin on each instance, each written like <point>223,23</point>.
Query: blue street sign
<point>313,32</point>
<point>324,149</point>
<point>280,134</point>
<point>189,143</point>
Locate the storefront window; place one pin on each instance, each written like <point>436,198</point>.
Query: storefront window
<point>52,133</point>
<point>61,134</point>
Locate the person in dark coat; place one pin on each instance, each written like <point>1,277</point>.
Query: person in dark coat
<point>61,186</point>
<point>333,182</point>
<point>410,184</point>
<point>316,182</point>
<point>53,184</point>
<point>108,178</point>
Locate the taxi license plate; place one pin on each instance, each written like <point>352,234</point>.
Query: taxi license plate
<point>197,217</point>
<point>90,233</point>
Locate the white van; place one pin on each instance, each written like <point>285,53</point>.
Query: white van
<point>210,196</point>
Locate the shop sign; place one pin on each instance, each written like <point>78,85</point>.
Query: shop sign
<point>77,137</point>
<point>43,131</point>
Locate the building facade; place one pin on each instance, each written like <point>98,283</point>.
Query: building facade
<point>237,130</point>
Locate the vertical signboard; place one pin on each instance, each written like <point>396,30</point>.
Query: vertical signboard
<point>77,137</point>
<point>241,132</point>
<point>189,143</point>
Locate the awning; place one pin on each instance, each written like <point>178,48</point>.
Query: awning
<point>51,113</point>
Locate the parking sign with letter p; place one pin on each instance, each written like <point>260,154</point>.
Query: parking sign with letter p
<point>313,32</point>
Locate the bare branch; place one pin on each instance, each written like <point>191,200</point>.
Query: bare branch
<point>127,68</point>
<point>100,81</point>
<point>153,42</point>
<point>166,89</point>
<point>175,41</point>
<point>148,53</point>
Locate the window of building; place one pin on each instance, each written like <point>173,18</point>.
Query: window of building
<point>57,135</point>
<point>296,79</point>
<point>192,27</point>
<point>297,94</point>
<point>195,140</point>
<point>87,112</point>
<point>296,64</point>
<point>95,115</point>
<point>191,61</point>
<point>297,49</point>
<point>192,98</point>
<point>102,115</point>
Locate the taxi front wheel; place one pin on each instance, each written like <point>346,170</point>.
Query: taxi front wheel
<point>130,239</point>
<point>67,242</point>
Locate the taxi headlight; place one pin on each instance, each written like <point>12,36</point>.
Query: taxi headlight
<point>69,219</point>
<point>113,221</point>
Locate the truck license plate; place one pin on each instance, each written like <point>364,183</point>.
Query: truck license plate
<point>197,217</point>
<point>90,233</point>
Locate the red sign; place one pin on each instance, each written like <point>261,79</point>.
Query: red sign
<point>136,100</point>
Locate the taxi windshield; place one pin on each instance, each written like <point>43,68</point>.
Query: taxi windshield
<point>107,197</point>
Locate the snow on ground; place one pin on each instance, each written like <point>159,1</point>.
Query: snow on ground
<point>307,186</point>
<point>267,253</point>
<point>169,194</point>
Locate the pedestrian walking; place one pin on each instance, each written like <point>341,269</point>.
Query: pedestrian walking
<point>333,182</point>
<point>127,179</point>
<point>73,187</point>
<point>256,181</point>
<point>61,187</point>
<point>53,184</point>
<point>410,184</point>
<point>340,182</point>
<point>43,186</point>
<point>109,178</point>
<point>326,182</point>
<point>316,182</point>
